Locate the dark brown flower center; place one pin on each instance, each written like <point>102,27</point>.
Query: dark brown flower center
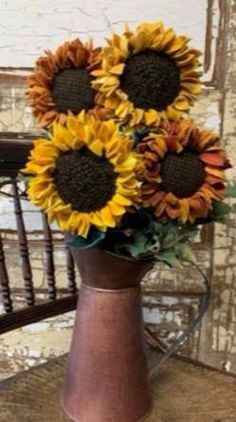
<point>84,180</point>
<point>72,90</point>
<point>151,79</point>
<point>182,174</point>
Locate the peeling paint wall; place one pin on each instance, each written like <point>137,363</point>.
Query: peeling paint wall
<point>28,27</point>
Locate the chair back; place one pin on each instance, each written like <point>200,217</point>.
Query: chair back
<point>13,156</point>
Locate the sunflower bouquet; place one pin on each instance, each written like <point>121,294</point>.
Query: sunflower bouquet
<point>123,168</point>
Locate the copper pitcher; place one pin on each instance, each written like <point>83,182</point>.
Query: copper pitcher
<point>107,379</point>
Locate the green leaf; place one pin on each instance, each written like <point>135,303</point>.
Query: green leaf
<point>170,228</point>
<point>139,246</point>
<point>219,211</point>
<point>168,241</point>
<point>187,253</point>
<point>170,259</point>
<point>168,234</point>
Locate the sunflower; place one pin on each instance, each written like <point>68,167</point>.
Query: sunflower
<point>61,83</point>
<point>148,75</point>
<point>84,175</point>
<point>183,171</point>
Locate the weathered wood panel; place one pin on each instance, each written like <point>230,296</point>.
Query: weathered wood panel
<point>220,347</point>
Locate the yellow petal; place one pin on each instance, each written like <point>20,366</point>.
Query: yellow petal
<point>58,207</point>
<point>112,102</point>
<point>123,109</point>
<point>186,60</point>
<point>184,210</point>
<point>76,128</point>
<point>181,104</point>
<point>137,116</point>
<point>112,149</point>
<point>126,165</point>
<point>33,168</point>
<point>139,41</point>
<point>117,69</point>
<point>121,200</point>
<point>116,209</point>
<point>62,137</point>
<point>111,127</point>
<point>168,36</point>
<point>40,191</point>
<point>41,142</point>
<point>62,220</point>
<point>157,45</point>
<point>151,117</point>
<point>46,151</point>
<point>97,147</point>
<point>96,219</point>
<point>109,81</point>
<point>172,113</point>
<point>99,73</point>
<point>107,217</point>
<point>193,88</point>
<point>126,191</point>
<point>83,226</point>
<point>177,44</point>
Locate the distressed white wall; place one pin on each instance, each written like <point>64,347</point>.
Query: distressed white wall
<point>27,27</point>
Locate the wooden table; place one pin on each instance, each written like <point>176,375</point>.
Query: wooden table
<point>182,392</point>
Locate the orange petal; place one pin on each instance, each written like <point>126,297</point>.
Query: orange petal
<point>155,199</point>
<point>215,172</point>
<point>212,179</point>
<point>198,206</point>
<point>172,212</point>
<point>213,158</point>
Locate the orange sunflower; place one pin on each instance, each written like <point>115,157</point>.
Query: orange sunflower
<point>183,171</point>
<point>148,75</point>
<point>61,83</point>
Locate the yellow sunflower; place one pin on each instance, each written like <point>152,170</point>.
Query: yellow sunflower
<point>148,75</point>
<point>85,175</point>
<point>183,171</point>
<point>61,83</point>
